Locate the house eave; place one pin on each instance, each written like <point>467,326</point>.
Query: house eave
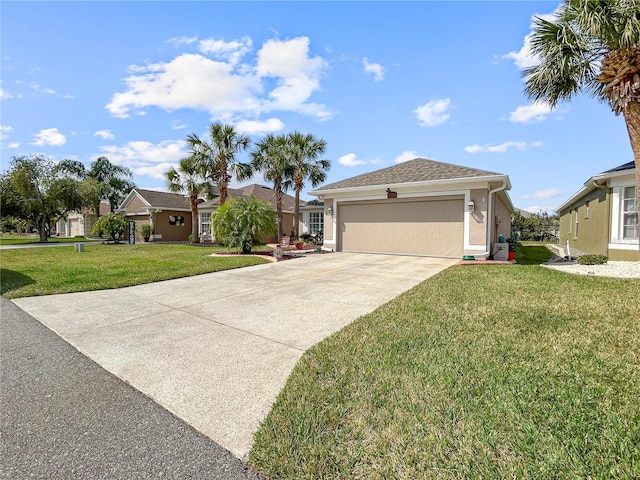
<point>415,185</point>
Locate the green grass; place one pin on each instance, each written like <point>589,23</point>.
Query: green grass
<point>532,253</point>
<point>45,271</point>
<point>482,372</point>
<point>27,239</point>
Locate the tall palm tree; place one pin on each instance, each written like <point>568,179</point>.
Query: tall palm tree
<point>188,178</point>
<point>304,151</point>
<point>592,46</point>
<point>102,181</point>
<point>270,157</point>
<point>217,157</point>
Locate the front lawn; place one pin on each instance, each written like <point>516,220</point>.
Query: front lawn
<point>44,271</point>
<point>26,239</point>
<point>482,372</point>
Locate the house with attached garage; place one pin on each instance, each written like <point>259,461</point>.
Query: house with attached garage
<point>602,217</point>
<point>169,214</point>
<point>419,207</point>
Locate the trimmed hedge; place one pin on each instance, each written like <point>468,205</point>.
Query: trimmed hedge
<point>592,259</point>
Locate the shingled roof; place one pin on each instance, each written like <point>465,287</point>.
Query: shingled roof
<point>259,192</point>
<point>416,170</point>
<point>164,200</point>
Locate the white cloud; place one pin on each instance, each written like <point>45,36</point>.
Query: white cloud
<point>523,58</point>
<point>253,127</point>
<point>375,69</point>
<point>13,145</point>
<point>4,95</point>
<point>501,148</point>
<point>146,156</point>
<point>158,171</point>
<point>104,134</point>
<point>48,91</point>
<point>350,160</point>
<point>230,51</point>
<point>547,193</point>
<point>49,136</point>
<point>535,112</point>
<point>433,113</point>
<point>406,156</point>
<point>5,130</point>
<point>226,89</point>
<point>178,125</point>
<point>539,209</point>
<point>184,40</point>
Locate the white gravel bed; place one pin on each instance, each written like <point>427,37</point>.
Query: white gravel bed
<point>610,269</point>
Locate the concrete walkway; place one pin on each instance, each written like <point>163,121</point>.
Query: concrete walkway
<point>216,349</point>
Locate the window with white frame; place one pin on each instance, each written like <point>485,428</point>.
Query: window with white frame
<point>629,213</point>
<point>205,223</point>
<point>316,219</point>
<point>577,224</point>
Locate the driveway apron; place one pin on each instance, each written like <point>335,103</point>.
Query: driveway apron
<point>216,349</point>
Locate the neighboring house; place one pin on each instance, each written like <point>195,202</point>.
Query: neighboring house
<point>419,207</point>
<point>602,217</point>
<point>311,218</point>
<point>80,224</point>
<point>170,213</point>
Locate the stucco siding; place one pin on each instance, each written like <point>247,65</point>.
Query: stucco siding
<point>502,219</point>
<point>136,206</point>
<point>592,213</point>
<point>173,226</point>
<point>478,218</point>
<point>409,226</point>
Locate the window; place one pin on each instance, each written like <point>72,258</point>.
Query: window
<point>205,223</point>
<point>629,213</point>
<point>575,233</point>
<point>316,220</point>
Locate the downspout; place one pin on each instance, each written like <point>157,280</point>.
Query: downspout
<point>490,218</point>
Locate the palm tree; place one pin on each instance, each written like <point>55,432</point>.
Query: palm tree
<point>218,156</point>
<point>592,46</point>
<point>270,157</point>
<point>102,181</point>
<point>304,151</point>
<point>188,178</point>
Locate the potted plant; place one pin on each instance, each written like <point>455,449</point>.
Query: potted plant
<point>145,230</point>
<point>298,243</point>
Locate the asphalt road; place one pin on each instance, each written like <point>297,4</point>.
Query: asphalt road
<point>63,417</point>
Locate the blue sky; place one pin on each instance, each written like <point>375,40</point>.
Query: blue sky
<point>381,82</point>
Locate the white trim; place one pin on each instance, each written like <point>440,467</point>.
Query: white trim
<point>418,185</point>
<point>623,246</point>
<point>616,214</point>
<point>482,248</point>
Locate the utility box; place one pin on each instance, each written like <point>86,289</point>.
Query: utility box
<point>501,251</point>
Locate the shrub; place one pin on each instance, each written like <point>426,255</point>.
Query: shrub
<point>239,221</point>
<point>145,230</point>
<point>592,259</point>
<point>112,224</point>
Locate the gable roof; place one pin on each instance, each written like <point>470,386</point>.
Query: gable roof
<point>416,170</point>
<point>164,200</point>
<point>592,183</point>
<point>259,192</point>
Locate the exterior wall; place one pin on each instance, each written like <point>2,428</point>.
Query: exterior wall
<point>166,232</point>
<point>328,219</point>
<point>502,219</point>
<point>136,206</point>
<point>478,218</point>
<point>592,213</point>
<point>624,255</point>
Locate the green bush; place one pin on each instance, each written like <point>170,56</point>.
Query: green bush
<point>592,259</point>
<point>239,221</point>
<point>145,230</point>
<point>112,225</point>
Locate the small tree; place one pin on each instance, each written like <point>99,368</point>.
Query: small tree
<point>112,224</point>
<point>238,222</point>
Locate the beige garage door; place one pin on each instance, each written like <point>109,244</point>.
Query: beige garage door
<point>416,227</point>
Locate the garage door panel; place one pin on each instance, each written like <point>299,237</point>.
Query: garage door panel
<point>433,227</point>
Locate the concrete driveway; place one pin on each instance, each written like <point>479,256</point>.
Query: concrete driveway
<point>216,349</point>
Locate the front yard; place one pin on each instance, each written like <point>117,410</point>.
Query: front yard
<point>45,271</point>
<point>480,372</point>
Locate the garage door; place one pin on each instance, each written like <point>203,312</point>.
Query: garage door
<point>415,227</point>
